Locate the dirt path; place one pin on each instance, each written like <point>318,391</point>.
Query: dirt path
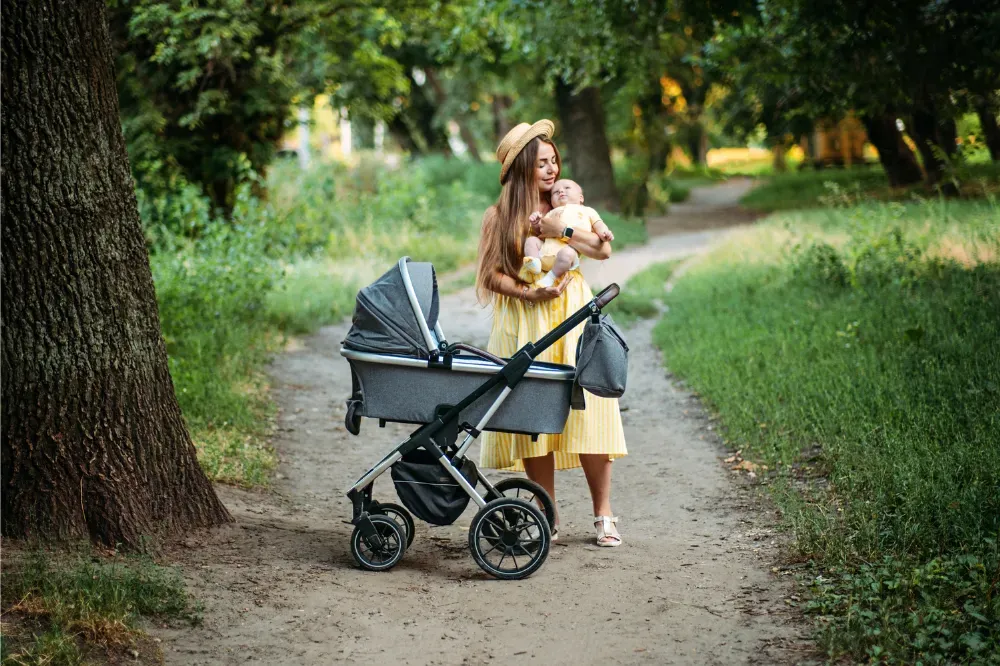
<point>691,585</point>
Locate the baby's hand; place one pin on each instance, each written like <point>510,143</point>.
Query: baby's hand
<point>534,217</point>
<point>605,234</point>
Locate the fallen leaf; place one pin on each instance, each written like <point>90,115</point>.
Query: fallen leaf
<point>746,465</point>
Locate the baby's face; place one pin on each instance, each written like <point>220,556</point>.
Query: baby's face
<point>565,192</point>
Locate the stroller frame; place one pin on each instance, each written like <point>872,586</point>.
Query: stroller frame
<point>440,436</point>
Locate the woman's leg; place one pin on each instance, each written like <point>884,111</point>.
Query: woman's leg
<point>542,470</point>
<point>597,469</point>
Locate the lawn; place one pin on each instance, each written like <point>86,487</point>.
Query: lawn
<point>855,350</point>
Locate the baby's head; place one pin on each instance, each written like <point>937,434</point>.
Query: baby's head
<point>566,192</point>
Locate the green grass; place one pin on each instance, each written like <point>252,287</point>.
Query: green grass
<point>864,342</point>
<point>75,608</point>
<point>811,188</point>
<point>642,296</point>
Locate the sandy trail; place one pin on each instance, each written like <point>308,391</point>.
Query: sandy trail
<point>691,585</point>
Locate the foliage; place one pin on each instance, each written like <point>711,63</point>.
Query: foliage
<point>212,296</point>
<point>808,188</point>
<point>206,88</point>
<point>72,604</point>
<point>861,340</point>
<point>790,62</point>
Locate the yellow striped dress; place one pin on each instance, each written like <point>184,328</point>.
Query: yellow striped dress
<point>596,429</point>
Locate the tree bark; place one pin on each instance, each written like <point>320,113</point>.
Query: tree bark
<point>935,139</point>
<point>468,138</point>
<point>501,123</point>
<point>991,130</point>
<point>589,155</point>
<point>898,161</point>
<point>93,443</point>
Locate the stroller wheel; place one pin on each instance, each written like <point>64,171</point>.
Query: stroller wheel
<point>352,420</point>
<point>379,556</point>
<point>402,518</point>
<point>509,538</point>
<point>528,490</point>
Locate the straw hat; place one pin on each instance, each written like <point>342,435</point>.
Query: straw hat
<point>519,137</point>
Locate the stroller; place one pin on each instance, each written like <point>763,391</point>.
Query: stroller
<point>404,370</point>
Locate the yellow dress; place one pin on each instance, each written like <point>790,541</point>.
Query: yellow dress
<point>596,429</point>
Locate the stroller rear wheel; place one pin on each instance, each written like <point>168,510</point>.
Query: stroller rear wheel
<point>381,553</point>
<point>402,518</point>
<point>528,490</point>
<point>509,538</point>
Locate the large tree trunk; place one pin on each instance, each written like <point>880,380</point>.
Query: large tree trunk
<point>935,139</point>
<point>93,443</point>
<point>589,156</point>
<point>898,161</point>
<point>991,130</point>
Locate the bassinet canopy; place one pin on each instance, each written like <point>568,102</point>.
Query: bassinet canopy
<point>386,319</point>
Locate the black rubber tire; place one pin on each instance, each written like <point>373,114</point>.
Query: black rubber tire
<point>392,551</point>
<point>526,489</point>
<point>352,420</point>
<point>402,518</point>
<point>484,533</point>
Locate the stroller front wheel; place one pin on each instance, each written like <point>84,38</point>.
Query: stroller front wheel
<point>509,538</point>
<point>402,518</point>
<point>381,553</point>
<point>526,489</point>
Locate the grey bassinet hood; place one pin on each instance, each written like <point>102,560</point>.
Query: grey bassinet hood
<point>386,322</point>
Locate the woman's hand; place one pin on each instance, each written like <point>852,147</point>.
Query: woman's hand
<point>541,294</point>
<point>549,226</point>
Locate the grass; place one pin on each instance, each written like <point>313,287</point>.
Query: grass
<point>642,296</point>
<point>856,349</point>
<point>80,607</point>
<point>810,188</point>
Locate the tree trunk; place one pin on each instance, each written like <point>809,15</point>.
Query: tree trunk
<point>93,443</point>
<point>698,145</point>
<point>898,161</point>
<point>991,130</point>
<point>468,138</point>
<point>935,139</point>
<point>589,156</point>
<point>501,123</point>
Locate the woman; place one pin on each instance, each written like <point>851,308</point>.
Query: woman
<point>593,437</point>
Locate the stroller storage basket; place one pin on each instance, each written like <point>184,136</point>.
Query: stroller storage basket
<point>404,389</point>
<point>426,489</point>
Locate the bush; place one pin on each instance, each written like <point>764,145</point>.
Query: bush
<point>873,342</point>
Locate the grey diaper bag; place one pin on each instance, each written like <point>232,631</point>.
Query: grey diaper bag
<point>602,358</point>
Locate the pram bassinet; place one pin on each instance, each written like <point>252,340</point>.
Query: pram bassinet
<point>399,374</point>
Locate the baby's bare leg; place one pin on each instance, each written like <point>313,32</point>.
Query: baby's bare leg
<point>565,259</point>
<point>533,246</point>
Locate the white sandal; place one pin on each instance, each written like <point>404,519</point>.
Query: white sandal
<point>607,533</point>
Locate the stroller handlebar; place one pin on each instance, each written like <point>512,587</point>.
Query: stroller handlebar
<point>607,295</point>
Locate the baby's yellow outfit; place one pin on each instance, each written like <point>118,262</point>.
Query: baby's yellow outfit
<point>574,216</point>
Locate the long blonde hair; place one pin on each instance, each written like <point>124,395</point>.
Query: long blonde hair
<point>505,224</point>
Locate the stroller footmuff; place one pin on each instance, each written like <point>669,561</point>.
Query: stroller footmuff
<point>403,370</point>
<point>428,490</point>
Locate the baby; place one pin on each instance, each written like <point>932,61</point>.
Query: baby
<point>553,256</point>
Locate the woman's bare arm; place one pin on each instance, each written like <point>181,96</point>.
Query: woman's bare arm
<point>508,286</point>
<point>586,243</point>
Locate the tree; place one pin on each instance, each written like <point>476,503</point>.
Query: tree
<point>208,88</point>
<point>93,443</point>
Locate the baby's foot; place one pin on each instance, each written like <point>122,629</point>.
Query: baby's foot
<point>533,264</point>
<point>547,280</point>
